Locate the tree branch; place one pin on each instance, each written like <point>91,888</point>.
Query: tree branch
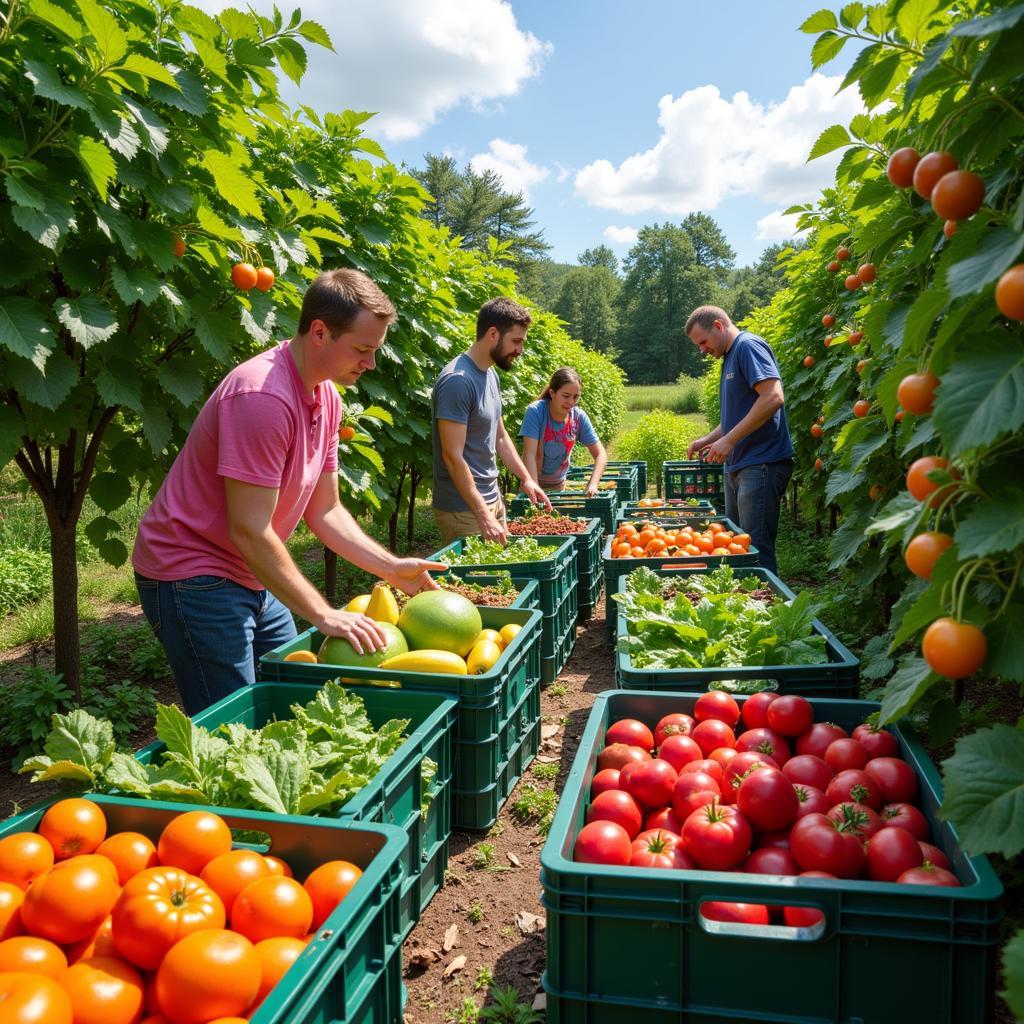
<point>91,454</point>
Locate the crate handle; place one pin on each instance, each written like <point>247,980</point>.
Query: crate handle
<point>773,932</point>
<point>687,565</point>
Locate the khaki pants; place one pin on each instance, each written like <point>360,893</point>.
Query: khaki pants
<point>454,525</point>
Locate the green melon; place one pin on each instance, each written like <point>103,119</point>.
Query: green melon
<point>438,620</point>
<point>337,651</point>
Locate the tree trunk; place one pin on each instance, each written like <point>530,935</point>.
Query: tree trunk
<point>414,482</point>
<point>330,575</point>
<point>833,517</point>
<point>397,510</point>
<point>796,502</point>
<point>66,640</point>
<point>818,512</point>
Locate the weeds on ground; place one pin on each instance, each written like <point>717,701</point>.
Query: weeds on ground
<point>547,772</point>
<point>483,855</point>
<point>467,1013</point>
<point>537,805</point>
<point>508,1008</point>
<point>476,912</point>
<point>484,979</point>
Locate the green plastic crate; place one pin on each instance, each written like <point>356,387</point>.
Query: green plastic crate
<point>394,796</point>
<point>351,972</point>
<point>694,479</point>
<point>627,482</point>
<point>559,638</point>
<point>631,511</point>
<point>628,944</point>
<point>641,472</point>
<point>604,506</point>
<point>839,677</point>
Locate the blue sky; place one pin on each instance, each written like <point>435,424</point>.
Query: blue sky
<point>610,115</point>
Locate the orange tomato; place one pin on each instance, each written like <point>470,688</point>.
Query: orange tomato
<point>644,537</point>
<point>328,885</point>
<point>276,956</point>
<point>23,858</point>
<point>620,550</point>
<point>736,549</point>
<point>99,943</point>
<point>104,990</point>
<point>716,527</point>
<point>243,275</point>
<point>191,840</point>
<point>656,546</point>
<point>28,953</point>
<point>691,549</point>
<point>73,826</point>
<point>129,852</point>
<point>11,901</point>
<point>704,544</point>
<point>228,874</point>
<point>720,551</point>
<point>71,900</point>
<point>30,998</point>
<point>637,552</point>
<point>209,974</point>
<point>743,539</point>
<point>158,908</point>
<point>271,907</point>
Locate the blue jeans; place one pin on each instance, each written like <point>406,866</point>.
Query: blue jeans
<point>752,498</point>
<point>214,632</point>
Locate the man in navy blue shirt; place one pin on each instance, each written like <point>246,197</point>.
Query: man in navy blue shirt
<point>752,438</point>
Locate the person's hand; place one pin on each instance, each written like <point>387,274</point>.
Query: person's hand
<point>535,493</point>
<point>720,450</point>
<point>591,490</point>
<point>359,630</point>
<point>411,575</point>
<point>696,446</point>
<point>491,528</point>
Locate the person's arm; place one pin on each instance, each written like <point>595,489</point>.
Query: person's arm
<point>600,457</point>
<point>531,456</point>
<point>338,530</point>
<point>250,511</point>
<point>769,400</point>
<point>507,450</point>
<point>452,438</point>
<point>704,442</point>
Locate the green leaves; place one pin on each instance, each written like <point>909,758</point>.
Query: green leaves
<point>1013,973</point>
<point>911,681</point>
<point>23,329</point>
<point>234,183</point>
<point>97,161</point>
<point>982,394</point>
<point>832,138</point>
<point>87,319</point>
<point>993,526</point>
<point>997,252</point>
<point>984,787</point>
<point>820,21</point>
<point>110,490</point>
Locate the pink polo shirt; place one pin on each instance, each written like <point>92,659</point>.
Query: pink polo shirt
<point>259,427</point>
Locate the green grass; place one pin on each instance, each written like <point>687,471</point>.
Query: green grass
<point>681,397</point>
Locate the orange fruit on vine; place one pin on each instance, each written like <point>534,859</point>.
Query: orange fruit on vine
<point>899,416</point>
<point>264,279</point>
<point>867,272</point>
<point>816,430</point>
<point>924,551</point>
<point>191,840</point>
<point>833,267</point>
<point>178,247</point>
<point>1010,293</point>
<point>949,228</point>
<point>821,419</point>
<point>346,433</point>
<point>930,168</point>
<point>243,276</point>
<point>921,487</point>
<point>958,195</point>
<point>856,337</point>
<point>842,253</point>
<point>808,361</point>
<point>818,464</point>
<point>73,826</point>
<point>916,392</point>
<point>27,997</point>
<point>861,363</point>
<point>24,856</point>
<point>861,408</point>
<point>852,282</point>
<point>876,491</point>
<point>954,649</point>
<point>828,320</point>
<point>900,168</point>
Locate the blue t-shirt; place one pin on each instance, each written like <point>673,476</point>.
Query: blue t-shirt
<point>556,439</point>
<point>466,394</point>
<point>749,361</point>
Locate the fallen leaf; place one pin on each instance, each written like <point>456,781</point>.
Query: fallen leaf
<point>423,957</point>
<point>547,731</point>
<point>451,937</point>
<point>528,923</point>
<point>513,859</point>
<point>454,967</point>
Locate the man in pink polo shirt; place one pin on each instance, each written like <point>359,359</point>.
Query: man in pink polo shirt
<point>215,578</point>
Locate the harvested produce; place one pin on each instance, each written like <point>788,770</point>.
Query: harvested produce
<point>693,540</point>
<point>476,551</point>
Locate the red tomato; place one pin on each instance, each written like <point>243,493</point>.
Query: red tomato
<point>679,751</point>
<point>877,742</point>
<point>664,819</point>
<point>858,818</point>
<point>811,800</point>
<point>739,767</point>
<point>706,765</point>
<point>605,779</point>
<point>767,800</point>
<point>651,783</point>
<point>602,842</point>
<point>764,741</point>
<point>845,753</point>
<point>906,816</point>
<point>620,807</point>
<point>618,755</point>
<point>895,778</point>
<point>790,715</point>
<point>818,738</point>
<point>890,852</point>
<point>657,849</point>
<point>818,844</point>
<point>672,724</point>
<point>755,709</point>
<point>718,705</point>
<point>631,732</point>
<point>778,839</point>
<point>856,786</point>
<point>808,770</point>
<point>711,734</point>
<point>928,875</point>
<point>722,756</point>
<point>717,837</point>
<point>933,855</point>
<point>771,860</point>
<point>740,913</point>
<point>805,917</point>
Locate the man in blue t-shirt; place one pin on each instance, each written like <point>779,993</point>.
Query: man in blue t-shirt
<point>469,432</point>
<point>752,438</point>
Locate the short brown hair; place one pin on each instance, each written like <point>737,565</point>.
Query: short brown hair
<point>705,316</point>
<point>501,313</point>
<point>338,296</point>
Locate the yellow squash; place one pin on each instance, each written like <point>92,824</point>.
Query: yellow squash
<point>428,661</point>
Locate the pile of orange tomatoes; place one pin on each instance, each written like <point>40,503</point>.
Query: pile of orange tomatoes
<point>651,540</point>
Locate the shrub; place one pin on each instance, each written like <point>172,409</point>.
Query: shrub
<point>709,393</point>
<point>24,577</point>
<point>660,436</point>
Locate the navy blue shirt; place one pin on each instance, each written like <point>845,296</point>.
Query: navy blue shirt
<point>749,361</point>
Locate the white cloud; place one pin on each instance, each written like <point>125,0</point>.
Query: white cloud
<point>563,172</point>
<point>712,148</point>
<point>411,60</point>
<point>777,226</point>
<point>620,236</point>
<point>508,160</point>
